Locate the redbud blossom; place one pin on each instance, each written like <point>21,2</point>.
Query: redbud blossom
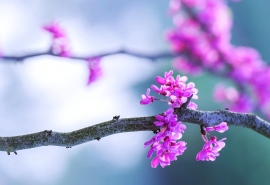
<point>192,105</point>
<point>146,99</point>
<point>95,71</point>
<point>210,150</point>
<point>60,43</point>
<point>233,99</point>
<point>222,127</point>
<point>166,142</point>
<point>176,89</point>
<point>55,30</point>
<point>203,33</point>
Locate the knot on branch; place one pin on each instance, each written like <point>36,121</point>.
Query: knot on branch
<point>116,118</point>
<point>48,132</point>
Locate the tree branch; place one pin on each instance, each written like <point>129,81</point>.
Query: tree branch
<point>116,125</point>
<point>154,56</point>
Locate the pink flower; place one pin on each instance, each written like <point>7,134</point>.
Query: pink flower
<point>146,99</point>
<point>55,30</point>
<point>185,66</point>
<point>60,43</point>
<point>94,69</point>
<point>173,150</point>
<point>210,150</point>
<point>222,127</point>
<point>177,102</point>
<point>174,6</point>
<point>166,79</point>
<point>242,104</point>
<point>192,105</point>
<point>229,94</point>
<point>163,90</point>
<point>64,50</point>
<point>219,93</point>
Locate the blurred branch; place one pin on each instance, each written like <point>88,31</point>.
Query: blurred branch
<point>153,57</point>
<point>116,125</point>
<point>104,54</point>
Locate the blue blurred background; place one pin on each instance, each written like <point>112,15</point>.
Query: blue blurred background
<point>51,93</point>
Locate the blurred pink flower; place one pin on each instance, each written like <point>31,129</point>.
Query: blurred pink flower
<point>221,93</point>
<point>202,36</point>
<point>95,71</point>
<point>242,104</point>
<point>185,66</point>
<point>55,30</point>
<point>234,100</point>
<point>60,43</point>
<point>174,6</point>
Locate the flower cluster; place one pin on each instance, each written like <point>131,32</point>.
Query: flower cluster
<point>200,42</point>
<point>176,89</point>
<point>60,43</point>
<point>211,147</point>
<point>202,34</point>
<point>166,143</point>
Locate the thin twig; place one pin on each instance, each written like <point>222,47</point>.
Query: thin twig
<point>154,56</point>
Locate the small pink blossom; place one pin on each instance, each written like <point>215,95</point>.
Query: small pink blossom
<point>60,43</point>
<point>95,71</point>
<point>192,105</point>
<point>164,91</point>
<point>55,29</point>
<point>222,127</point>
<point>146,99</point>
<point>166,79</point>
